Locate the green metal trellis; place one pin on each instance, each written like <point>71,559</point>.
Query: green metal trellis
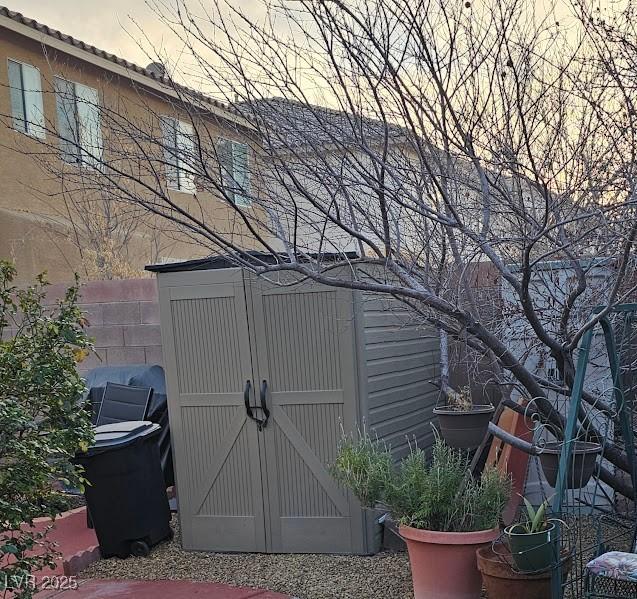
<point>622,403</point>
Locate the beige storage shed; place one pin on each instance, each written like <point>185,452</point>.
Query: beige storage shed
<point>261,380</point>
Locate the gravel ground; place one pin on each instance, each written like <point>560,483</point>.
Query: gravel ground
<point>385,575</point>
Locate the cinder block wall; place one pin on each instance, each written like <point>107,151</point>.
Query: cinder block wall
<point>124,321</point>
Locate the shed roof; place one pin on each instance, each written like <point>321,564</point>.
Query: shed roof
<point>227,261</point>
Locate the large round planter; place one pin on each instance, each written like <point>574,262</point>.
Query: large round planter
<point>582,463</point>
<point>443,564</point>
<point>502,581</point>
<point>464,428</point>
<point>533,552</point>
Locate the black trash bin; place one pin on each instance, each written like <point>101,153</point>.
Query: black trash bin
<point>127,495</point>
<point>139,375</point>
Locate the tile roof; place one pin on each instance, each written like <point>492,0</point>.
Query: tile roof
<point>46,30</point>
<point>297,124</point>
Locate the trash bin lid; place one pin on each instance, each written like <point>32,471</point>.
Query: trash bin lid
<point>120,434</point>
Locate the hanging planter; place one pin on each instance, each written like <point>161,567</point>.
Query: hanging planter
<point>464,428</point>
<point>463,424</point>
<point>581,464</point>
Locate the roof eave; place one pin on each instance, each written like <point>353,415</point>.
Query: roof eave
<point>113,67</point>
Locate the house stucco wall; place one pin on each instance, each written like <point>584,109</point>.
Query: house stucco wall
<point>36,221</point>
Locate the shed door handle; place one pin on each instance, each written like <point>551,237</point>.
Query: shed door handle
<point>246,399</point>
<point>264,405</point>
<point>249,412</point>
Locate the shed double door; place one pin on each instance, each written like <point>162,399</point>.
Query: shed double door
<point>256,478</point>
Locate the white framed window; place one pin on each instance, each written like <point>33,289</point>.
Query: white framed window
<point>179,154</point>
<point>26,98</point>
<point>235,176</point>
<point>79,124</point>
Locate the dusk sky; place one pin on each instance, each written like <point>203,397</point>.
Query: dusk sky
<point>112,25</point>
<point>98,22</point>
<point>104,23</point>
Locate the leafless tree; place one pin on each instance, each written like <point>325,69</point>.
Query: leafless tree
<point>424,145</point>
<point>105,232</point>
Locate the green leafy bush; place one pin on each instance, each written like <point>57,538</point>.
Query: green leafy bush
<point>43,420</point>
<point>363,466</point>
<point>428,494</point>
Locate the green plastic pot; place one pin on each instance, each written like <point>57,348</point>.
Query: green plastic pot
<point>533,552</point>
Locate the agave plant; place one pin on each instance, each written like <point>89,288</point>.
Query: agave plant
<point>536,518</point>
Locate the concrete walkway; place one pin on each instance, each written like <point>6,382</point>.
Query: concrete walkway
<point>156,589</point>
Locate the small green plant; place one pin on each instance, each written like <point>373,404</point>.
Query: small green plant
<point>431,494</point>
<point>533,542</point>
<point>363,466</point>
<point>536,520</point>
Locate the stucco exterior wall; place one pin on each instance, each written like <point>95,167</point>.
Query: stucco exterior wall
<point>35,220</point>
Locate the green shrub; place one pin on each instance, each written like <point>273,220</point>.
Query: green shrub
<point>43,421</point>
<point>431,494</point>
<point>363,466</point>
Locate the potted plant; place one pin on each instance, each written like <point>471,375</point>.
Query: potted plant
<point>444,515</point>
<point>533,543</point>
<point>582,462</point>
<point>502,579</point>
<point>463,423</point>
<point>363,466</point>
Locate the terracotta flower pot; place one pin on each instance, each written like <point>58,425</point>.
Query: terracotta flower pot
<point>464,428</point>
<point>582,463</point>
<point>443,564</point>
<point>501,581</point>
